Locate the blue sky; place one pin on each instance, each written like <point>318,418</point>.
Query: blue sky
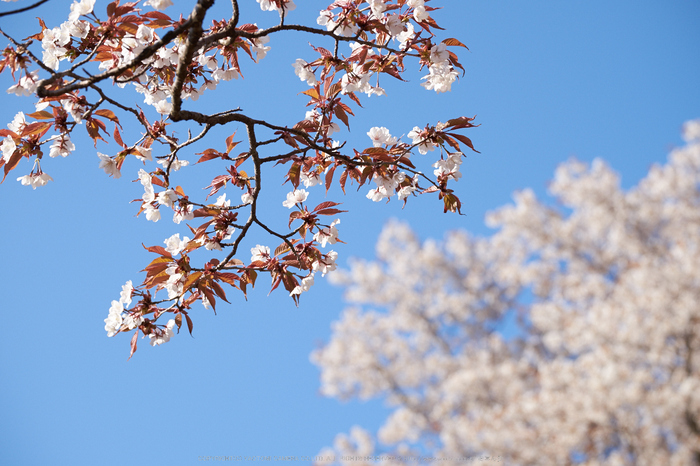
<point>547,80</point>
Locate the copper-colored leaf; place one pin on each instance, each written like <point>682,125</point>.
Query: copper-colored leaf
<point>134,341</point>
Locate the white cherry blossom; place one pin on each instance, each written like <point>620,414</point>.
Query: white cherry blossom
<point>295,197</point>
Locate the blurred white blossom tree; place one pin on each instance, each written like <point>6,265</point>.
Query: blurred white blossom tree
<point>604,365</point>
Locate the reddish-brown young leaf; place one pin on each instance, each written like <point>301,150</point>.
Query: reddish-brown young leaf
<point>134,341</point>
<point>330,211</point>
<point>104,112</point>
<point>234,263</point>
<point>281,249</point>
<point>219,291</point>
<point>450,141</point>
<point>41,115</point>
<point>343,179</point>
<point>374,151</point>
<point>295,215</point>
<point>466,141</point>
<point>230,278</point>
<point>313,93</point>
<point>12,163</point>
<point>454,42</point>
<point>329,177</point>
<point>230,143</point>
<point>158,250</point>
<point>190,280</point>
<point>333,90</point>
<point>157,265</point>
<point>461,122</point>
<point>325,205</point>
<point>294,174</point>
<point>250,276</point>
<point>210,296</point>
<point>211,154</point>
<point>340,113</point>
<point>190,325</point>
<point>36,128</point>
<point>156,15</point>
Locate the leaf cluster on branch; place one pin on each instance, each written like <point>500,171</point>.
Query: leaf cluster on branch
<point>76,71</point>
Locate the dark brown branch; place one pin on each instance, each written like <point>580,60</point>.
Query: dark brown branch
<point>22,10</point>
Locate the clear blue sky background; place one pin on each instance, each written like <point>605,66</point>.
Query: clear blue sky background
<point>547,79</point>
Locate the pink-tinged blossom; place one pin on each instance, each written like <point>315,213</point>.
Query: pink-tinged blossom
<point>224,75</point>
<point>62,146</point>
<point>176,281</point>
<point>691,131</point>
<point>356,81</point>
<point>26,85</point>
<point>449,167</point>
<point>113,322</point>
<point>332,128</point>
<point>80,8</point>
<point>441,77</point>
<point>419,13</point>
<point>144,178</point>
<point>75,109</point>
<point>326,264</point>
<point>109,165</point>
<point>259,253</point>
<point>18,123</point>
<point>149,194</point>
<point>295,197</point>
<point>406,191</point>
<point>160,336</point>
<point>394,25</point>
<point>301,69</point>
<point>309,179</point>
<point>174,245</point>
<point>175,165</point>
<point>131,321</point>
<point>221,201</point>
<point>79,29</point>
<point>159,5</point>
<point>346,29</point>
<point>306,284</point>
<point>145,34</point>
<point>247,198</point>
<point>327,235</point>
<point>380,136</point>
<point>378,7</point>
<point>269,5</point>
<point>385,186</point>
<point>125,295</point>
<point>209,61</point>
<point>144,153</point>
<point>260,48</point>
<point>163,107</point>
<point>8,148</point>
<point>35,180</point>
<point>406,36</point>
<point>418,137</point>
<point>152,213</point>
<point>183,213</point>
<point>439,53</point>
<point>167,198</point>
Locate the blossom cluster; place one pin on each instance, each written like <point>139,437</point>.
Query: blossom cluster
<point>570,334</point>
<point>76,72</point>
